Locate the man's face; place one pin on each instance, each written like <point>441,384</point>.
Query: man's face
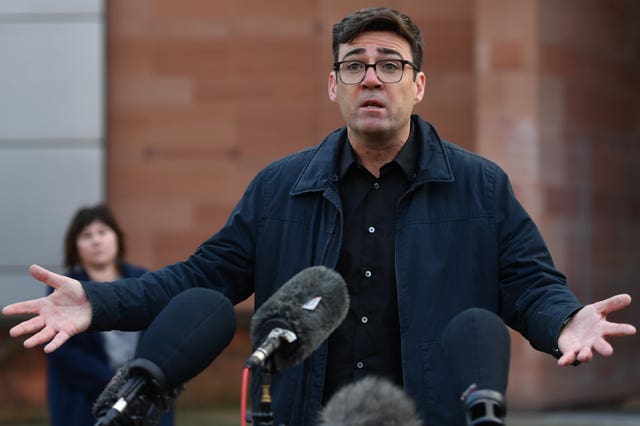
<point>373,109</point>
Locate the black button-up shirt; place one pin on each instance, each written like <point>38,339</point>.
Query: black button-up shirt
<point>368,341</point>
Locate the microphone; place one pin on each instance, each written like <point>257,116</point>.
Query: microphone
<point>136,396</point>
<point>295,320</point>
<point>477,344</point>
<point>371,401</point>
<point>185,337</point>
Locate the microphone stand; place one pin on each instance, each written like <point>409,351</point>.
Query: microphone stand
<point>264,417</point>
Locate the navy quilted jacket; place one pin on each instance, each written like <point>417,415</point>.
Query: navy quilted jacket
<point>462,240</point>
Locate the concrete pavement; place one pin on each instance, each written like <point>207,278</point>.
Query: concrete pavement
<point>599,418</point>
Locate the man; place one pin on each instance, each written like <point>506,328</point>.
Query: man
<point>419,228</point>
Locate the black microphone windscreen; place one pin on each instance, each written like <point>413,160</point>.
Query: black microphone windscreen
<point>477,344</point>
<point>312,304</point>
<point>371,401</point>
<point>110,394</point>
<point>188,334</point>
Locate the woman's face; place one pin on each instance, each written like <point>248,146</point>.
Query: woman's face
<point>97,245</point>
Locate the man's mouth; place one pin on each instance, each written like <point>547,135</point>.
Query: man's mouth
<point>372,104</point>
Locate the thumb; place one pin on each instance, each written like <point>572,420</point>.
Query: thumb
<point>44,275</point>
<point>613,303</point>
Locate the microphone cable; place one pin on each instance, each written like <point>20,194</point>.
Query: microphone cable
<point>243,396</point>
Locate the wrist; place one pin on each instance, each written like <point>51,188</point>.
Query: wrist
<point>556,352</point>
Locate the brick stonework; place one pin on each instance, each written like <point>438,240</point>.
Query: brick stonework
<point>558,108</point>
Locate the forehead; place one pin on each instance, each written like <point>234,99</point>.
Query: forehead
<point>95,224</point>
<point>376,43</point>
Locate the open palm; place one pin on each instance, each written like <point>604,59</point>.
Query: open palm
<point>60,315</point>
<point>588,329</point>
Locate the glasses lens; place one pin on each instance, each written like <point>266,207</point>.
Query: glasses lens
<point>352,72</point>
<point>387,71</point>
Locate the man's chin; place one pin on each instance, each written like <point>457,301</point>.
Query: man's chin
<point>372,125</point>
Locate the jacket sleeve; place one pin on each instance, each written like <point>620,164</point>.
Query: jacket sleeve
<point>225,262</point>
<point>535,296</point>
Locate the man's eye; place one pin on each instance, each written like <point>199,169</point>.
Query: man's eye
<point>389,66</point>
<point>353,66</point>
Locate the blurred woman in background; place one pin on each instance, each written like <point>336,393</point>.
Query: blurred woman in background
<point>78,372</point>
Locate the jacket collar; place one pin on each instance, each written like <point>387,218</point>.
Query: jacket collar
<point>322,167</point>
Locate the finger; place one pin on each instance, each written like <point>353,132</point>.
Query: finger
<point>567,358</point>
<point>614,329</point>
<point>27,327</point>
<point>21,308</point>
<point>612,304</point>
<point>40,338</point>
<point>603,348</point>
<point>585,355</point>
<point>44,275</point>
<point>56,342</point>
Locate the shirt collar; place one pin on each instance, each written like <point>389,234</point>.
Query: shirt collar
<point>406,159</point>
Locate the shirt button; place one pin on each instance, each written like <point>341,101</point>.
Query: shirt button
<point>376,185</point>
<point>364,320</point>
<point>372,229</point>
<point>367,274</point>
<point>360,364</point>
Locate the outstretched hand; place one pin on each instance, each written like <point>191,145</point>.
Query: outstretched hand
<point>588,328</point>
<point>60,315</point>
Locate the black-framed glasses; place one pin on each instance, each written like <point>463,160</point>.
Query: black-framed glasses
<point>387,70</point>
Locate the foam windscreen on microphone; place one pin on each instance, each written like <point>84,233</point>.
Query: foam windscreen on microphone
<point>477,344</point>
<point>188,334</point>
<point>142,385</point>
<point>371,401</point>
<point>311,304</point>
<point>110,394</point>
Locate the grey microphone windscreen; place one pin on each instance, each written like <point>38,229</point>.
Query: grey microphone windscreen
<point>311,304</point>
<point>371,401</point>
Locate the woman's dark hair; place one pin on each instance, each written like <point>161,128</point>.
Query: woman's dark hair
<point>83,217</point>
<point>378,19</point>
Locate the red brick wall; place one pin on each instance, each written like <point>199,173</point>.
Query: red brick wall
<point>22,380</point>
<point>558,108</point>
<point>201,95</point>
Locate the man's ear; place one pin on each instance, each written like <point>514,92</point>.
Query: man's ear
<point>331,86</point>
<point>421,79</point>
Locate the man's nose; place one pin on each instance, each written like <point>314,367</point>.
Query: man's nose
<point>371,78</point>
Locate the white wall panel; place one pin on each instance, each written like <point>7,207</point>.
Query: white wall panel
<point>44,188</point>
<point>52,80</point>
<point>51,131</point>
<point>50,6</point>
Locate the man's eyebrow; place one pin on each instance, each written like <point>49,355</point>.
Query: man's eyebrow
<point>381,50</point>
<point>388,51</point>
<point>353,52</point>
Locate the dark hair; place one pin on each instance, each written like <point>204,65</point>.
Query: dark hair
<point>83,217</point>
<point>378,19</point>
